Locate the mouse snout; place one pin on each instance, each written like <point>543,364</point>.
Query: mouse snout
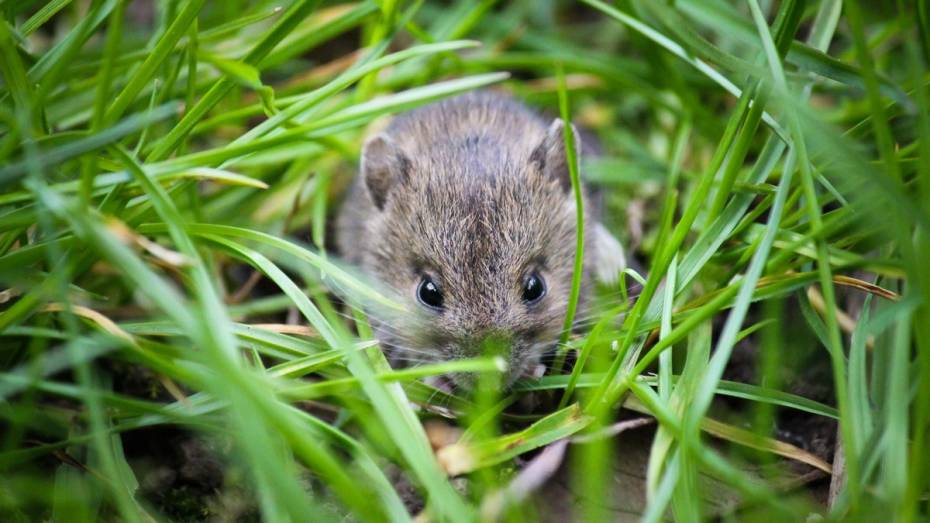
<point>486,342</point>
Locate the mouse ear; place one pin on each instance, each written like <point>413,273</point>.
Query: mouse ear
<point>550,155</point>
<point>384,165</point>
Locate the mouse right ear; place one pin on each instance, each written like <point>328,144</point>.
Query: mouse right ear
<point>550,155</point>
<point>384,165</point>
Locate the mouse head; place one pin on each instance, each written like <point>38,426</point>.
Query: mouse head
<point>480,238</point>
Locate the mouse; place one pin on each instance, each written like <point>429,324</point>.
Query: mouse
<point>464,209</point>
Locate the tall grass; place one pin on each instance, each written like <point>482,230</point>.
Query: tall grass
<point>168,170</point>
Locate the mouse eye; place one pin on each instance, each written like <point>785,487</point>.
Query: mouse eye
<point>534,288</point>
<point>429,294</point>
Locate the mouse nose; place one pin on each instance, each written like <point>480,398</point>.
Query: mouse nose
<point>487,342</point>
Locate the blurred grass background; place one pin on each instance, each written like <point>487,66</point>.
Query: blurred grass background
<point>170,348</point>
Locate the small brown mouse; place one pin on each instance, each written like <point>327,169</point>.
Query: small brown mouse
<point>465,209</point>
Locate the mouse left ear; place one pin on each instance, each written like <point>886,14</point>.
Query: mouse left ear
<point>384,165</point>
<point>550,155</point>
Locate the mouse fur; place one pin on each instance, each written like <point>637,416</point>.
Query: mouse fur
<point>473,193</point>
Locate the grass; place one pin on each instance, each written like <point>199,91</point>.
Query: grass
<point>168,170</point>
